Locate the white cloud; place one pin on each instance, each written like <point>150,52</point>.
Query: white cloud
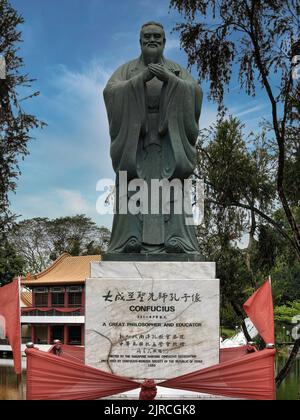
<point>251,110</point>
<point>172,44</point>
<point>70,155</point>
<point>78,100</point>
<point>73,202</point>
<point>59,203</point>
<point>54,203</point>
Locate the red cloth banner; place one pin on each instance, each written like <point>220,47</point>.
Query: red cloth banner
<point>249,377</point>
<point>62,310</point>
<point>259,308</point>
<point>10,311</point>
<point>52,377</point>
<point>74,353</point>
<point>243,373</point>
<point>148,390</point>
<point>232,353</point>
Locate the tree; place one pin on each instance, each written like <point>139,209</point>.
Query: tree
<point>15,127</point>
<point>39,241</point>
<point>11,264</point>
<point>31,241</point>
<point>77,235</point>
<point>253,35</point>
<point>292,166</point>
<point>232,174</point>
<point>258,37</point>
<point>287,312</point>
<point>15,123</point>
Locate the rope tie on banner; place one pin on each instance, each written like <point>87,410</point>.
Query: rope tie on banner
<point>148,390</point>
<point>251,348</point>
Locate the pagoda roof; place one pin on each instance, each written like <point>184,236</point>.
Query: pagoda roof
<point>65,270</point>
<point>26,298</point>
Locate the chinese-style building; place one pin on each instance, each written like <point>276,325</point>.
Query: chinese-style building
<point>55,302</point>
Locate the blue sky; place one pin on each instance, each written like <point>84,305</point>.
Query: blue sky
<point>72,47</point>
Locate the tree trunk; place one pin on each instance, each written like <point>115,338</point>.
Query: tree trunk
<point>239,313</point>
<point>250,246</point>
<point>287,368</point>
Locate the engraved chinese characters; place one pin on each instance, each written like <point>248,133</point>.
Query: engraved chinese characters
<point>143,327</point>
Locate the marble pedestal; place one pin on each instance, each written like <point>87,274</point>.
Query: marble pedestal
<point>155,320</point>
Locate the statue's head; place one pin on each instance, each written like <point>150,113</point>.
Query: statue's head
<point>153,41</point>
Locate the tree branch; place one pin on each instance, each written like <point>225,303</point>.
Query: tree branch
<point>265,217</point>
<point>280,135</point>
<point>287,368</point>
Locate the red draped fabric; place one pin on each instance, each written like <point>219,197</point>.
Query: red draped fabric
<point>10,313</point>
<point>233,353</point>
<point>243,372</point>
<point>260,310</point>
<point>52,377</point>
<point>249,377</point>
<point>74,353</point>
<point>62,310</point>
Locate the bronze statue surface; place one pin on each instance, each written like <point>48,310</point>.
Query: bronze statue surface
<point>153,107</point>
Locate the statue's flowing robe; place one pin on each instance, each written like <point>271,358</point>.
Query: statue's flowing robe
<point>127,106</point>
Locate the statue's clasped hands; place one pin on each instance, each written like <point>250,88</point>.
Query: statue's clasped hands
<point>159,71</point>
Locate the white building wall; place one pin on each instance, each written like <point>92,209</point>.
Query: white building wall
<point>52,320</point>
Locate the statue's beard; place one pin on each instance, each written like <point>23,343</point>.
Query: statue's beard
<point>152,56</point>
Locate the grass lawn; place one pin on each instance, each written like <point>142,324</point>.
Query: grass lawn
<point>227,332</point>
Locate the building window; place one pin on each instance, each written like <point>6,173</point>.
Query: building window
<point>41,334</point>
<point>41,300</point>
<point>41,297</point>
<point>57,297</point>
<point>58,300</point>
<point>75,335</point>
<point>58,333</point>
<point>26,333</point>
<point>75,299</point>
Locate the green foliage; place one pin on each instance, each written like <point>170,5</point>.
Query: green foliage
<point>228,317</point>
<point>77,235</point>
<point>273,256</point>
<point>234,172</point>
<point>227,332</point>
<point>217,35</point>
<point>15,123</point>
<point>40,241</point>
<point>267,249</point>
<point>235,178</point>
<point>257,37</point>
<point>292,165</point>
<point>11,265</point>
<point>286,313</point>
<point>238,176</point>
<point>286,281</point>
